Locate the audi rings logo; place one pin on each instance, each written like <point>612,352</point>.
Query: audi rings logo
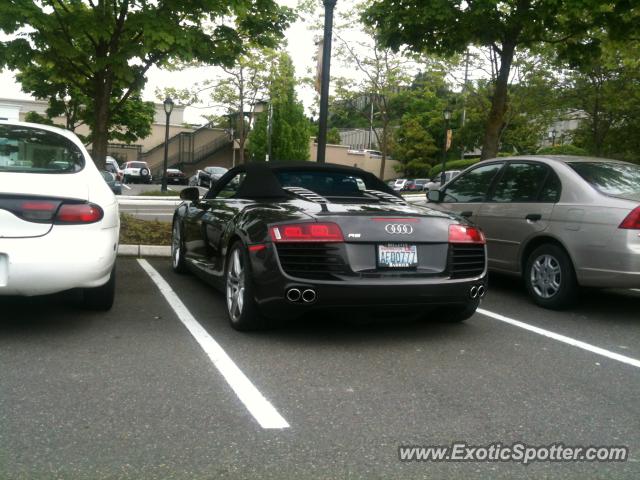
<point>398,229</point>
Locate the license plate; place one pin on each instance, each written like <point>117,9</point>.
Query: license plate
<point>397,256</point>
<point>4,269</point>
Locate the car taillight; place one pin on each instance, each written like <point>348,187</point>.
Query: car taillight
<point>37,210</point>
<point>465,234</point>
<point>632,222</point>
<point>78,213</point>
<point>306,232</point>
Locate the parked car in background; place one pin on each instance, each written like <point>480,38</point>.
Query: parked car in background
<point>112,181</point>
<point>137,172</point>
<point>415,185</point>
<point>399,184</point>
<point>434,183</point>
<point>283,240</point>
<point>560,222</point>
<point>176,177</point>
<point>207,177</point>
<point>59,219</point>
<point>111,165</point>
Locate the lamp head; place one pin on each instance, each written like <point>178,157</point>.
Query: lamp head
<point>168,105</point>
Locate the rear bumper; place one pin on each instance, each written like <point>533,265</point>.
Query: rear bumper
<point>616,266</point>
<point>78,256</point>
<point>380,294</point>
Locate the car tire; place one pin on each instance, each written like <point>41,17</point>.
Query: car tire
<point>550,278</point>
<point>100,298</point>
<point>242,309</point>
<point>177,248</point>
<point>458,314</point>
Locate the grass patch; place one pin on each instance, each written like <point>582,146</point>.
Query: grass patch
<point>134,231</point>
<point>158,193</point>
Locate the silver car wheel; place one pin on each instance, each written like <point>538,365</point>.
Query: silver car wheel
<point>175,245</point>
<point>546,276</point>
<point>235,286</point>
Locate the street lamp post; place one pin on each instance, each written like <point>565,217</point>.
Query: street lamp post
<point>447,117</point>
<point>329,5</point>
<point>168,108</point>
<point>262,106</point>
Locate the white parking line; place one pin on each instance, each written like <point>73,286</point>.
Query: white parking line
<point>126,186</point>
<point>261,409</point>
<point>562,338</point>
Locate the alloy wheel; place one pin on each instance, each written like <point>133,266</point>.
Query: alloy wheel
<point>235,286</point>
<point>546,276</point>
<point>175,245</point>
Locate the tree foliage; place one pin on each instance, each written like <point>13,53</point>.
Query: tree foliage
<point>605,94</point>
<point>104,48</point>
<point>504,27</point>
<point>333,136</point>
<point>290,128</point>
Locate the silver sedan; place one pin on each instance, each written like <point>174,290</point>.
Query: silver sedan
<point>558,221</point>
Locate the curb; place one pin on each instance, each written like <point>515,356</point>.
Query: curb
<point>144,251</point>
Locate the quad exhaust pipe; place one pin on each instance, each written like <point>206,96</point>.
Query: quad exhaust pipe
<point>296,295</point>
<point>309,296</point>
<point>477,291</point>
<point>293,295</point>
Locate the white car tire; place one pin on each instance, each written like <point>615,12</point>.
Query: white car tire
<point>101,298</point>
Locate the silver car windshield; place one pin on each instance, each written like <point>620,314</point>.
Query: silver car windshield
<point>610,178</point>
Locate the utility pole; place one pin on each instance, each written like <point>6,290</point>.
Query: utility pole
<point>329,5</point>
<point>464,99</point>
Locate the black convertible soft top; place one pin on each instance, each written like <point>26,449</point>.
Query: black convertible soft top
<point>261,181</point>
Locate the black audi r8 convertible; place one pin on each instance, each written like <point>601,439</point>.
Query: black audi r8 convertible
<point>284,239</point>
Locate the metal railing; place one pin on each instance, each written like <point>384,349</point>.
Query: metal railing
<point>179,159</point>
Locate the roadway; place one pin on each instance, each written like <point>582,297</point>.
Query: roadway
<point>133,393</point>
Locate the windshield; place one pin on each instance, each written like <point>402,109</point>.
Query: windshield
<point>327,184</point>
<point>610,178</point>
<point>137,165</point>
<point>34,150</point>
<point>215,170</point>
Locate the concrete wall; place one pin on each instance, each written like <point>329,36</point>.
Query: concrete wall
<point>341,155</point>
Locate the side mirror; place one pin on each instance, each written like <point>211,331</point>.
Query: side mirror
<point>191,194</point>
<point>434,196</point>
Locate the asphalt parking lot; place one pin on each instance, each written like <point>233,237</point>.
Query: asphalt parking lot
<point>132,393</point>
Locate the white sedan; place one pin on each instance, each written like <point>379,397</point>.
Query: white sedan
<point>59,222</point>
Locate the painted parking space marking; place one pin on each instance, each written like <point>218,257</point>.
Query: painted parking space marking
<point>562,338</point>
<point>261,409</point>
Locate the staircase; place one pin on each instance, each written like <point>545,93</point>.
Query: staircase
<point>187,148</point>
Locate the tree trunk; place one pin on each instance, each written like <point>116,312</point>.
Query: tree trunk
<point>499,104</point>
<point>100,129</point>
<point>383,160</point>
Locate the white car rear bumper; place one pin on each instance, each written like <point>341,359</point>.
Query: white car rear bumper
<point>69,256</point>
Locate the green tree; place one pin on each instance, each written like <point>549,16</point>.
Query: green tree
<point>414,146</point>
<point>104,48</point>
<point>131,121</point>
<point>605,92</point>
<point>383,74</point>
<point>290,129</point>
<point>333,136</point>
<point>235,89</point>
<point>503,27</point>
